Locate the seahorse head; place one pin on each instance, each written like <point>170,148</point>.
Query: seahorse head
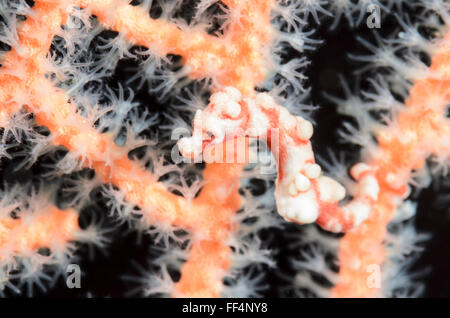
<point>224,118</point>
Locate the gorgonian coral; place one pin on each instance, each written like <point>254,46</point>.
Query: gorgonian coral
<point>97,98</point>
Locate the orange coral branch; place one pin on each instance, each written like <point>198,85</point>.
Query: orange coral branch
<point>48,228</point>
<point>73,131</point>
<point>202,276</point>
<point>27,64</point>
<point>419,130</point>
<point>237,59</point>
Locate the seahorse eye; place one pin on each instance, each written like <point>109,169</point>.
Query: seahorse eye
<point>209,134</point>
